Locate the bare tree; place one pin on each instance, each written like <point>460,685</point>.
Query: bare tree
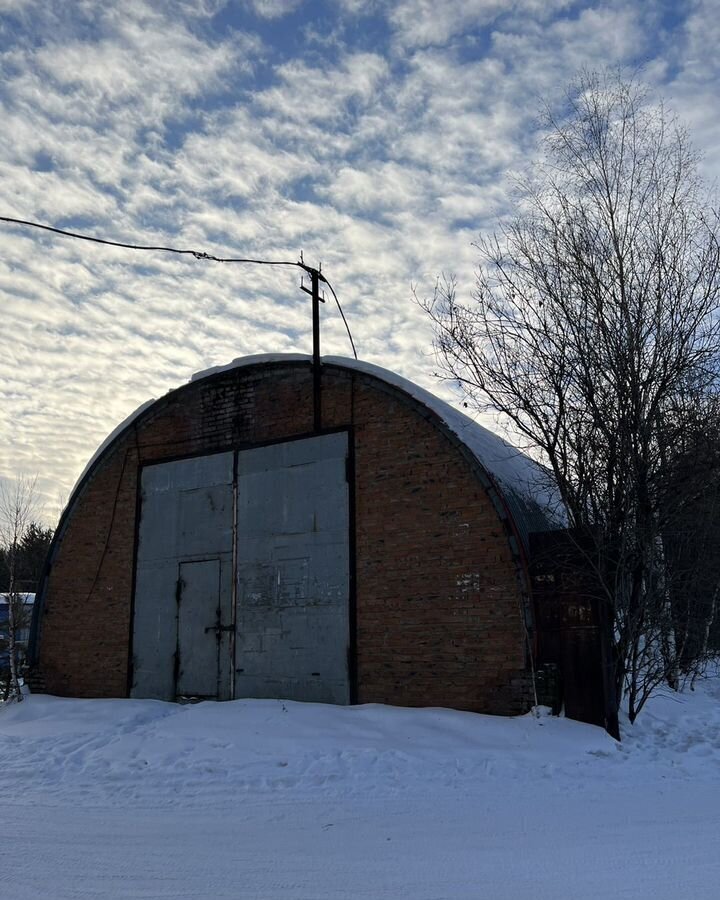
<point>594,330</point>
<point>17,507</point>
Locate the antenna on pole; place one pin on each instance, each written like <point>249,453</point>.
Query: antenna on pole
<point>316,277</point>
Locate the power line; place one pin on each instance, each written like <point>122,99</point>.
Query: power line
<point>347,327</point>
<point>196,254</point>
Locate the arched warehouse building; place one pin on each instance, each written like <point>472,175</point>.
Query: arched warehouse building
<point>219,546</point>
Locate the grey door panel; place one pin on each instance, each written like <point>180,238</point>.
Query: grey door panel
<point>186,516</point>
<point>155,630</point>
<point>199,621</point>
<point>292,624</point>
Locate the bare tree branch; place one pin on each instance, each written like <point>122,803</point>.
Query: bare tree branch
<point>18,505</point>
<point>594,330</point>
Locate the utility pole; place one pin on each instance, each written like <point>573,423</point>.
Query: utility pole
<point>316,277</point>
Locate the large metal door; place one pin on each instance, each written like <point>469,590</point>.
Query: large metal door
<point>292,619</point>
<point>184,574</point>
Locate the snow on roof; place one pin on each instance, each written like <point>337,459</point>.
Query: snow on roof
<point>257,358</point>
<point>527,487</point>
<point>116,432</point>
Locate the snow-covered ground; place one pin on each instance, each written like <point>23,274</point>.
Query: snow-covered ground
<point>265,799</point>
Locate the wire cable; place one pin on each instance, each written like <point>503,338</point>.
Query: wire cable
<point>196,254</point>
<point>347,327</point>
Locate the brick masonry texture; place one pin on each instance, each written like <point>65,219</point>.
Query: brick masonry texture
<point>438,593</point>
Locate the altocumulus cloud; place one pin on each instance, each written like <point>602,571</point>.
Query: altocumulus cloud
<point>377,137</point>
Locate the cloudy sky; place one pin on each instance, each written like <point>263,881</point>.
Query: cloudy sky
<point>375,136</point>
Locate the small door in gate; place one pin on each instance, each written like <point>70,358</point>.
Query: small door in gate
<point>199,630</point>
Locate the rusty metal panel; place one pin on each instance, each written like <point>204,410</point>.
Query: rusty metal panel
<point>292,621</point>
<point>186,515</point>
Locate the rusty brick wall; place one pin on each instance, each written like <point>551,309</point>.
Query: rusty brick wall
<point>438,600</point>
